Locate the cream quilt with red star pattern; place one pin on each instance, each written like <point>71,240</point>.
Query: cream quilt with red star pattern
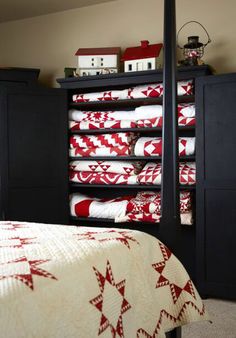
<point>75,282</point>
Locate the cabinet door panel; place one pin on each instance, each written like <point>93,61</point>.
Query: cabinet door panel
<point>34,164</point>
<point>219,131</point>
<point>220,236</point>
<point>216,185</point>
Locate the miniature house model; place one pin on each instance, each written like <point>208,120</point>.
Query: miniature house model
<point>144,57</point>
<point>95,61</point>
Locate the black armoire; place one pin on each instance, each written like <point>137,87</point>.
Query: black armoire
<point>216,185</point>
<point>33,143</point>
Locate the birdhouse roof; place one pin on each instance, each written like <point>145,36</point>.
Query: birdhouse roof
<point>98,51</point>
<point>143,51</point>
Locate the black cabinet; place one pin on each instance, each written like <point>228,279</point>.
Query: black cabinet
<point>181,239</point>
<point>33,143</point>
<point>216,188</point>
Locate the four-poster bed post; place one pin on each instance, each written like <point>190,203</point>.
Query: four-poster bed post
<point>170,189</point>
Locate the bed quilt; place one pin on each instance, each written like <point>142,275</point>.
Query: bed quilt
<point>60,281</point>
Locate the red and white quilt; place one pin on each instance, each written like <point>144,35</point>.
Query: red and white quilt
<point>146,207</point>
<point>66,281</point>
<point>153,90</point>
<point>151,173</point>
<point>143,91</point>
<point>152,146</point>
<point>88,177</point>
<point>103,151</point>
<point>111,95</point>
<point>86,206</point>
<point>89,125</point>
<point>117,167</point>
<point>102,140</point>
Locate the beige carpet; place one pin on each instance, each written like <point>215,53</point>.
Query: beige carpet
<point>223,316</point>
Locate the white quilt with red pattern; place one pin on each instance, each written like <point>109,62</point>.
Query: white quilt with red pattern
<point>61,281</point>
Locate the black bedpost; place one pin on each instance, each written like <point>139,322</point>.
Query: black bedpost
<point>170,179</point>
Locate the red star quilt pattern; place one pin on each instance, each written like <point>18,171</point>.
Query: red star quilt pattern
<point>68,281</point>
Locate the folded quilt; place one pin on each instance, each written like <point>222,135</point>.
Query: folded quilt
<point>88,125</point>
<point>185,219</point>
<point>145,202</point>
<point>146,207</point>
<point>150,202</point>
<point>117,167</point>
<point>85,206</point>
<point>112,95</point>
<point>158,121</point>
<point>143,91</point>
<point>151,173</point>
<point>88,177</point>
<point>104,151</point>
<point>88,282</point>
<point>147,146</point>
<point>102,140</point>
<point>156,90</point>
<point>142,112</point>
<point>127,115</point>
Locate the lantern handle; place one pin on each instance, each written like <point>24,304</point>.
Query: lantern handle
<point>209,39</point>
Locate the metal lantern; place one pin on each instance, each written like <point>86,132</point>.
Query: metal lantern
<point>193,51</point>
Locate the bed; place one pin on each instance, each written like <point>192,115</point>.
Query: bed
<point>67,281</point>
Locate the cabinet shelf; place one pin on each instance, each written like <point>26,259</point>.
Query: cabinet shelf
<point>109,221</point>
<point>127,186</point>
<point>123,130</point>
<point>129,158</point>
<point>130,103</point>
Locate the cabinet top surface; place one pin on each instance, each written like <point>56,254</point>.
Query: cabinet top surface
<point>132,77</point>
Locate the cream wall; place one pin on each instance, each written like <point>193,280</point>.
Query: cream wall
<point>49,42</point>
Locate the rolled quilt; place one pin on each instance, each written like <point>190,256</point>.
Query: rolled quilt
<point>152,146</point>
<point>151,173</point>
<point>102,140</point>
<point>87,177</point>
<point>117,167</point>
<point>90,125</point>
<point>103,151</point>
<point>153,90</point>
<point>85,206</point>
<point>112,95</point>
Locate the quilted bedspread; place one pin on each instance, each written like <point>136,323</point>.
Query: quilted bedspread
<point>63,281</point>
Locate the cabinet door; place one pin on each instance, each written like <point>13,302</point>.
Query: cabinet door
<point>216,187</point>
<point>33,135</point>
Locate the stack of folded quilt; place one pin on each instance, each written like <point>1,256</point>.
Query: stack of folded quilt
<point>104,172</point>
<point>144,207</point>
<point>151,173</point>
<point>152,146</point>
<point>148,116</point>
<point>149,90</point>
<point>116,144</point>
<point>126,172</point>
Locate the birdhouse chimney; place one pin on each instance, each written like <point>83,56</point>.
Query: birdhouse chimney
<point>144,43</point>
